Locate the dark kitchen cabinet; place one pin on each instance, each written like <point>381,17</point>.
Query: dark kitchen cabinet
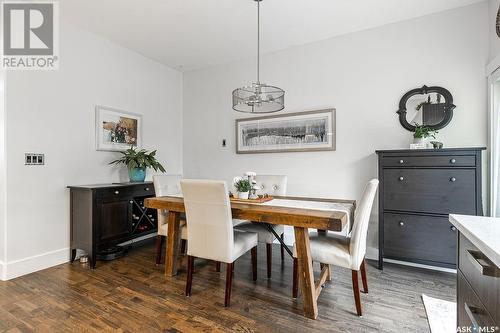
<point>478,289</point>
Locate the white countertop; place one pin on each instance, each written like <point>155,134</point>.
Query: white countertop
<point>483,232</point>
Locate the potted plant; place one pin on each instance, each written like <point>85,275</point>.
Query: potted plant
<point>422,134</point>
<point>243,187</point>
<point>137,161</point>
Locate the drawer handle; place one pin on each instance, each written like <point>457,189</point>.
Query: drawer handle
<point>401,178</point>
<point>401,223</point>
<point>470,311</point>
<point>453,161</point>
<point>146,189</point>
<point>117,192</point>
<point>482,264</point>
<point>453,179</point>
<point>453,228</point>
<point>131,202</point>
<point>401,161</point>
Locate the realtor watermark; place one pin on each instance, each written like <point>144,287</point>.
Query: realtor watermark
<point>477,329</point>
<point>30,35</point>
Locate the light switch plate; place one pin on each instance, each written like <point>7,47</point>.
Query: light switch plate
<point>34,159</point>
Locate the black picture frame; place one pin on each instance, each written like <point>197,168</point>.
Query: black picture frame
<point>448,106</point>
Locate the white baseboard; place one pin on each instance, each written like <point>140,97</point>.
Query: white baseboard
<point>38,262</point>
<point>35,263</point>
<point>2,271</point>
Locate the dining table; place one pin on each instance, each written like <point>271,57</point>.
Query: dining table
<point>301,213</point>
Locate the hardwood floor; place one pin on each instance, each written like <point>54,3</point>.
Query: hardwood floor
<point>131,294</point>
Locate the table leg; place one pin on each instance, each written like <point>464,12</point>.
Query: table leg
<point>173,243</point>
<point>306,272</point>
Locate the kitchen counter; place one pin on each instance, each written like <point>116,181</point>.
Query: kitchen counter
<point>483,232</point>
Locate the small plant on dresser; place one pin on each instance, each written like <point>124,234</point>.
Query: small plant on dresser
<point>422,135</point>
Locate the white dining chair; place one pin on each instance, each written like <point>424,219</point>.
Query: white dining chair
<point>167,185</point>
<point>211,234</point>
<point>349,252</point>
<point>273,185</point>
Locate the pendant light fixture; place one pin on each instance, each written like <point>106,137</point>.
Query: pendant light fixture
<point>259,97</point>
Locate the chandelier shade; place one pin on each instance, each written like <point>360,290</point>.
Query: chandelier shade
<point>259,97</point>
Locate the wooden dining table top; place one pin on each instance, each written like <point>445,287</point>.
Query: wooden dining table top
<point>332,215</point>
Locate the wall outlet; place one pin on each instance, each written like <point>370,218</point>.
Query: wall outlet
<point>34,159</point>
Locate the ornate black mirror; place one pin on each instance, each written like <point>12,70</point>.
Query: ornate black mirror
<point>429,106</point>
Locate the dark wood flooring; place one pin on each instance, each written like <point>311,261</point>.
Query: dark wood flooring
<point>132,295</point>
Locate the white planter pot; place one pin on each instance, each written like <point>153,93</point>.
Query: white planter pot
<point>243,195</point>
<point>423,143</point>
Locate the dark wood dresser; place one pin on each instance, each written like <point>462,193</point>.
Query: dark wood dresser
<point>478,275</point>
<point>418,189</point>
<point>105,215</point>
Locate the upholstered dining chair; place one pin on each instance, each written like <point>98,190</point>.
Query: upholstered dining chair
<point>211,234</point>
<point>272,185</point>
<point>349,252</point>
<point>167,185</point>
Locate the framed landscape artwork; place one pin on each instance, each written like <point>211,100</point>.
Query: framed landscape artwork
<point>117,130</point>
<point>292,132</point>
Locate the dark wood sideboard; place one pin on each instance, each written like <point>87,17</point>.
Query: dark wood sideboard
<point>105,215</point>
<point>418,189</point>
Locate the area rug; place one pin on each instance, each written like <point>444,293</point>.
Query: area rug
<point>441,315</point>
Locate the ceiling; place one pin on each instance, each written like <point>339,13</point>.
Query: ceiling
<point>194,34</point>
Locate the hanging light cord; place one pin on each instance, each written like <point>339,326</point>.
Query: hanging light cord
<point>259,97</point>
<point>258,41</point>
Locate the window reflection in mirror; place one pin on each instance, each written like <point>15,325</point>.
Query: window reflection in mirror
<point>426,109</point>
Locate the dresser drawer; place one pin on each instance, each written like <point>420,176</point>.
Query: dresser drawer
<point>482,274</point>
<point>470,310</point>
<point>143,190</point>
<point>430,161</point>
<point>419,238</point>
<point>115,193</point>
<point>438,191</point>
<point>126,192</point>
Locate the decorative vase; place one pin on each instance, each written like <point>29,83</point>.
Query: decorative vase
<point>243,195</point>
<point>137,174</point>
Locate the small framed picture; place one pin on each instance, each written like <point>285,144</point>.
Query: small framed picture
<point>117,130</point>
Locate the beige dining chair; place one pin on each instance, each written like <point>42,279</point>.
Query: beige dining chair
<point>348,252</point>
<point>211,234</point>
<point>274,185</point>
<point>167,185</point>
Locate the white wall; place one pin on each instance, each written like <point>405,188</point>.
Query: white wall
<point>52,112</point>
<point>363,75</point>
<point>2,178</point>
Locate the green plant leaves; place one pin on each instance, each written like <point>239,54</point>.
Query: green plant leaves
<point>133,158</point>
<point>422,131</point>
<point>243,185</point>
